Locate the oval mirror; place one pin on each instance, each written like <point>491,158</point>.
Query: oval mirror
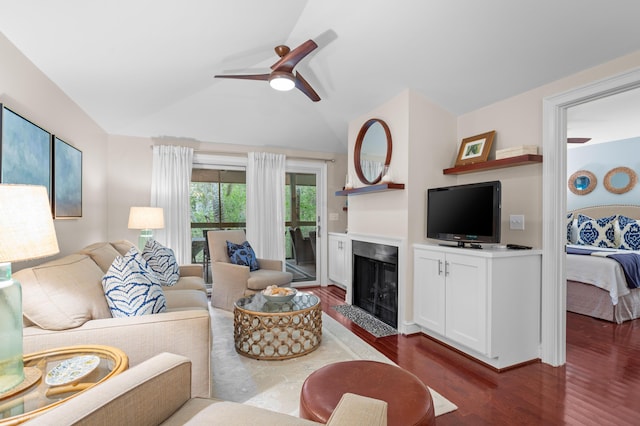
<point>620,180</point>
<point>372,151</point>
<point>582,182</point>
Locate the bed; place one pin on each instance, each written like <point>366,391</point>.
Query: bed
<point>596,283</point>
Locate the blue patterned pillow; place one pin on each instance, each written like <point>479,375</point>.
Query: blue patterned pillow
<point>570,223</point>
<point>629,233</point>
<point>132,288</point>
<point>597,232</point>
<point>163,262</point>
<point>242,254</point>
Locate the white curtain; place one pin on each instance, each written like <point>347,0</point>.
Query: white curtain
<point>265,204</point>
<point>170,183</point>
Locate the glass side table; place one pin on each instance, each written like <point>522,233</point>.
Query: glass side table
<point>277,330</point>
<point>36,399</point>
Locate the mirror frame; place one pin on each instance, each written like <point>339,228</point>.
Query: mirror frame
<point>582,173</point>
<point>358,148</point>
<point>633,179</point>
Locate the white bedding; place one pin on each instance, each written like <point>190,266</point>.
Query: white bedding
<point>599,271</point>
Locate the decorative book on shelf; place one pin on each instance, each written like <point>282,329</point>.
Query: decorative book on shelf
<point>389,186</point>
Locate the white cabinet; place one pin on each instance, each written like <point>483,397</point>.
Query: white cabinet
<point>485,303</point>
<point>338,258</point>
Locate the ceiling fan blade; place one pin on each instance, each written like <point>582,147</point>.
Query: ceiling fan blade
<point>288,61</point>
<point>306,88</point>
<point>578,140</point>
<point>263,77</point>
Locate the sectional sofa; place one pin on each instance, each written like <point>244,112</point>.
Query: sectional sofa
<point>64,305</point>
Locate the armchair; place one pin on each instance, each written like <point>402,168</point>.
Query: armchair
<point>230,281</point>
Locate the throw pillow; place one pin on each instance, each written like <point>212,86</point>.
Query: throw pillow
<point>570,225</point>
<point>629,233</point>
<point>163,262</point>
<point>131,287</point>
<point>242,254</point>
<point>597,232</point>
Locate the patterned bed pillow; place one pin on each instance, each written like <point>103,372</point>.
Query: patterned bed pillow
<point>131,287</point>
<point>242,254</point>
<point>570,225</point>
<point>629,233</point>
<point>163,262</point>
<point>597,232</point>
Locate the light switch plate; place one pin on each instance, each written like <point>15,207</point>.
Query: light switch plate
<point>516,222</point>
<point>333,216</point>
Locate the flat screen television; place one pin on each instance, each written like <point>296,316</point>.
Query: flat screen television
<point>465,213</point>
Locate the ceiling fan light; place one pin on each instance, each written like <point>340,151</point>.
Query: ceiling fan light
<point>282,81</point>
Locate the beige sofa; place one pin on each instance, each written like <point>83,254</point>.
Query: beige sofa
<point>64,305</point>
<point>157,392</point>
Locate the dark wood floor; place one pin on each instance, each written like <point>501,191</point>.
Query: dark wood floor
<point>599,385</point>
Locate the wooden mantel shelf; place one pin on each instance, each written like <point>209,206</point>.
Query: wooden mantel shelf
<point>519,160</point>
<point>372,188</point>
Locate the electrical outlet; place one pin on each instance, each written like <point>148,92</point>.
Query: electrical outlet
<point>516,221</point>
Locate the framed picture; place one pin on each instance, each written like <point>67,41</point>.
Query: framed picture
<point>25,151</point>
<point>475,149</point>
<point>67,180</point>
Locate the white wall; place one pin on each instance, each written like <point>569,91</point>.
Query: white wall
<point>28,92</point>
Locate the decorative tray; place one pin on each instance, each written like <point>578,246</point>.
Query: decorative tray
<point>71,370</point>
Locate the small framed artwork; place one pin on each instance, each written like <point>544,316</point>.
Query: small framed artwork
<point>475,149</point>
<point>67,180</point>
<point>25,151</point>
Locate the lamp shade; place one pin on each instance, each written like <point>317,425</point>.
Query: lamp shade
<point>26,223</point>
<point>146,218</point>
<point>282,81</point>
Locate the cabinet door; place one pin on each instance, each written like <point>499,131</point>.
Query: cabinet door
<point>429,290</point>
<point>337,255</point>
<point>466,301</point>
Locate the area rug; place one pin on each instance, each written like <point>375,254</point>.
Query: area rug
<point>365,320</point>
<point>276,385</point>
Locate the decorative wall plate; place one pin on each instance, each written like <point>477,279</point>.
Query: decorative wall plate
<point>582,182</point>
<point>620,180</point>
<point>73,369</point>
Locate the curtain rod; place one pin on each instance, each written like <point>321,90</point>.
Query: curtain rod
<point>243,154</point>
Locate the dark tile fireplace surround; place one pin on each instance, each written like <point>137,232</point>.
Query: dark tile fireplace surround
<point>375,280</point>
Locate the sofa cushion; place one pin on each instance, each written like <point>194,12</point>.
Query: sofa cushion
<point>123,246</point>
<point>262,278</point>
<point>102,253</point>
<point>242,254</point>
<point>163,262</point>
<point>186,299</point>
<point>188,283</point>
<point>132,288</point>
<point>64,293</point>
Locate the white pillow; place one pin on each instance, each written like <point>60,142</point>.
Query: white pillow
<point>163,262</point>
<point>132,288</point>
<point>597,232</point>
<point>629,233</point>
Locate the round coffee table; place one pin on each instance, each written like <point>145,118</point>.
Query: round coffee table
<point>409,401</point>
<point>275,330</point>
<point>36,399</point>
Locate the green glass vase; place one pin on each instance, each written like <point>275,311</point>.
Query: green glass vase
<point>11,363</point>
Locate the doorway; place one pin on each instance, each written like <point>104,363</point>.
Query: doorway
<point>553,324</point>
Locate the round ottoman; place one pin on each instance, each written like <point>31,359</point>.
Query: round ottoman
<point>409,401</point>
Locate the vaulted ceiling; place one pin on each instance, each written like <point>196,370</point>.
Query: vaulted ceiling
<point>146,67</point>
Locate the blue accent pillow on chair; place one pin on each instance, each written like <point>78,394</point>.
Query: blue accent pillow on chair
<point>242,254</point>
<point>163,262</point>
<point>132,288</point>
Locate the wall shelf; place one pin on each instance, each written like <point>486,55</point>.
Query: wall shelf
<point>372,188</point>
<point>519,160</point>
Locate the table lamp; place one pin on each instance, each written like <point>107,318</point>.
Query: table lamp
<point>26,232</point>
<point>146,219</point>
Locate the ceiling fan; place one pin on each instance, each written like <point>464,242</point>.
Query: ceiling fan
<point>578,140</point>
<point>283,77</point>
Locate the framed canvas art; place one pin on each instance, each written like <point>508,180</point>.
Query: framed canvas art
<point>25,151</point>
<point>67,180</point>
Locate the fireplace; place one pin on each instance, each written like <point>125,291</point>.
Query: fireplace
<point>375,280</point>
